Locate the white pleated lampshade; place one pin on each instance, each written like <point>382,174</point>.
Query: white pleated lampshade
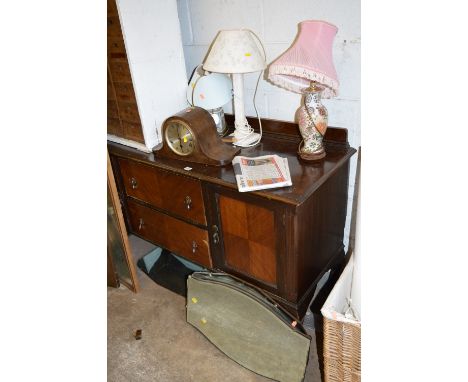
<point>235,51</point>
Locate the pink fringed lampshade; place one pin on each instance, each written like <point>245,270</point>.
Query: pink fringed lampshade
<point>308,59</point>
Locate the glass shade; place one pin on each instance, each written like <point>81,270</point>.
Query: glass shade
<point>209,91</point>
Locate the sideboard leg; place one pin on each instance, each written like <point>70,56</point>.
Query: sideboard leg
<point>335,271</point>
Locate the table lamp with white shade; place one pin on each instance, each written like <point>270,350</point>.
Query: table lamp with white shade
<point>237,52</point>
<point>307,68</point>
<point>210,91</point>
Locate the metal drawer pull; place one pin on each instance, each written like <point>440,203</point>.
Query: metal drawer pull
<point>188,202</point>
<point>134,183</point>
<point>215,234</point>
<point>142,223</point>
<point>194,246</point>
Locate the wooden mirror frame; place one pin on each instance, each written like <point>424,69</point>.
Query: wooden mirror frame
<point>134,285</point>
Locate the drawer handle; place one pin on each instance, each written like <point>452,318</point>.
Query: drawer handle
<point>215,234</point>
<point>194,246</point>
<point>188,202</point>
<point>142,223</point>
<point>134,183</point>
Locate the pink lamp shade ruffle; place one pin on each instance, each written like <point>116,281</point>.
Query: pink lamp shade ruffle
<point>308,59</point>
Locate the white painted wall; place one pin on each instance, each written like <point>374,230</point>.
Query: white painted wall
<point>153,43</point>
<point>276,23</point>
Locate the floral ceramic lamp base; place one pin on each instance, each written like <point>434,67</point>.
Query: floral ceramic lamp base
<point>313,123</point>
<point>311,156</point>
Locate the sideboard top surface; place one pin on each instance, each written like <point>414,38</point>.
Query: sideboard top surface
<point>279,138</point>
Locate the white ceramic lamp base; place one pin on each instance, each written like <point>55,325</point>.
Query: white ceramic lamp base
<point>245,141</point>
<point>243,136</point>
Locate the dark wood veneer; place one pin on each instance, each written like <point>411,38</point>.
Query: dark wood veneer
<point>249,238</point>
<point>184,239</point>
<point>300,227</point>
<point>175,193</point>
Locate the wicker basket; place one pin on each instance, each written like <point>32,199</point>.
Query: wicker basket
<point>341,351</point>
<point>341,336</point>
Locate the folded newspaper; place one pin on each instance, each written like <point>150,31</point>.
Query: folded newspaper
<point>259,173</point>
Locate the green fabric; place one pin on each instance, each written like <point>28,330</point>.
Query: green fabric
<point>246,331</point>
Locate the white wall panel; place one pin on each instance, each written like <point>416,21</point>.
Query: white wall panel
<point>210,16</point>
<point>152,36</point>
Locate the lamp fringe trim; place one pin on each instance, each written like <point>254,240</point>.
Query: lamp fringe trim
<point>276,73</point>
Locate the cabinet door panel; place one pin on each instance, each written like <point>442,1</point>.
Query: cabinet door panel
<point>249,238</point>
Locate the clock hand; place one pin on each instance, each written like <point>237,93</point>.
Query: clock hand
<point>180,138</point>
<point>178,133</point>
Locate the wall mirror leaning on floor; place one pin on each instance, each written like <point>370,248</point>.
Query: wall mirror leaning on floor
<point>120,262</point>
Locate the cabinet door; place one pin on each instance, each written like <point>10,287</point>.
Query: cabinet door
<point>248,238</point>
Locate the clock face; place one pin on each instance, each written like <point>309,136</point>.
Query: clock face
<point>179,138</point>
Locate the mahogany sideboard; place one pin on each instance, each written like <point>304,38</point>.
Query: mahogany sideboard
<point>281,240</point>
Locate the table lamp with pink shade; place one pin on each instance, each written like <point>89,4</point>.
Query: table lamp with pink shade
<point>307,68</point>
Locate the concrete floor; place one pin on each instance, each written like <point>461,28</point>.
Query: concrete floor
<point>170,349</point>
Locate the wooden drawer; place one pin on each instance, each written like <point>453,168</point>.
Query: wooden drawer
<point>112,111</point>
<point>129,112</point>
<point>111,8</point>
<point>110,92</point>
<point>116,47</point>
<point>133,131</point>
<point>110,89</point>
<point>173,234</point>
<point>176,194</point>
<point>114,127</point>
<point>124,91</point>
<point>120,71</point>
<point>113,26</point>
